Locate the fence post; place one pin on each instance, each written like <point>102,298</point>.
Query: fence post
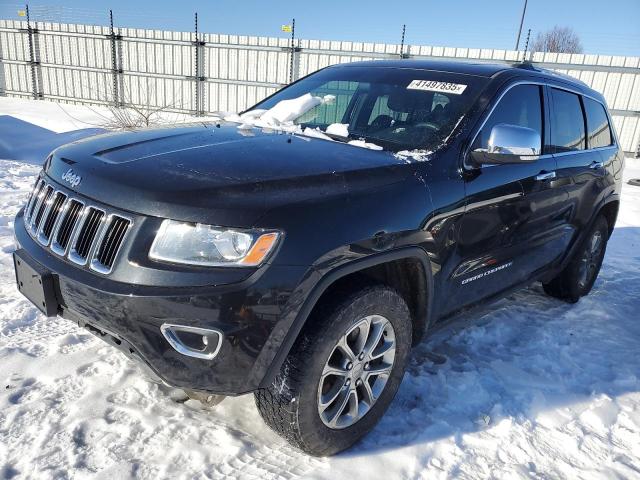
<point>3,81</point>
<point>295,64</point>
<point>116,63</point>
<point>293,48</point>
<point>402,54</point>
<point>526,50</point>
<point>34,58</point>
<point>199,71</point>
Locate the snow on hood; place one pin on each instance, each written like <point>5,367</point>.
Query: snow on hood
<point>363,144</point>
<point>413,155</point>
<point>282,115</point>
<point>288,110</point>
<point>315,133</point>
<point>341,129</point>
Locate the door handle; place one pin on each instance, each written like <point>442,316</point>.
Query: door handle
<point>546,175</point>
<point>595,165</point>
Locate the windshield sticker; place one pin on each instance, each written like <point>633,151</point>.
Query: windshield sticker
<point>434,86</point>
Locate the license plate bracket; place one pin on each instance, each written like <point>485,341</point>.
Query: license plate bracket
<point>36,283</point>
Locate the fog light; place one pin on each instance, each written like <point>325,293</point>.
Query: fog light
<point>194,342</point>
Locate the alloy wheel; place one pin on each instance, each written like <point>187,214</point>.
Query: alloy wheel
<point>590,259</point>
<point>356,372</point>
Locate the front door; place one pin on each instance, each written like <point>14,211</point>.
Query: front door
<point>511,225</point>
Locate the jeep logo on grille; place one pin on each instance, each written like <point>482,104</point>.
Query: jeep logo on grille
<point>71,178</point>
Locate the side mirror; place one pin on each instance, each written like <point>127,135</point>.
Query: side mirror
<point>509,144</point>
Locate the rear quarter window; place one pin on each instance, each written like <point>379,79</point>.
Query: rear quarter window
<point>599,130</point>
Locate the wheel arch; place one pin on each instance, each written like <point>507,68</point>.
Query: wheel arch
<point>609,208</point>
<point>610,211</point>
<point>416,288</point>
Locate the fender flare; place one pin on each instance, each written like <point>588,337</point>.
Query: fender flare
<point>610,199</point>
<point>332,276</point>
<point>581,236</point>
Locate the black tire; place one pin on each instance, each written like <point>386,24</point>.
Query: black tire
<point>572,283</point>
<point>290,405</point>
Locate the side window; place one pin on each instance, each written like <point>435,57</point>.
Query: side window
<point>567,122</point>
<point>520,106</point>
<point>332,112</point>
<point>597,124</point>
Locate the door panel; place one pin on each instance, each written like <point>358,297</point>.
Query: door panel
<point>582,169</point>
<point>513,223</point>
<point>583,176</point>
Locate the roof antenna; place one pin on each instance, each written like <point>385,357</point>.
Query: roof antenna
<point>402,55</point>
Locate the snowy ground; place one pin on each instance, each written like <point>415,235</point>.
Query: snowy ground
<point>62,117</point>
<point>531,388</point>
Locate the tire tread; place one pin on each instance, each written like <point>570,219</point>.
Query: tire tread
<point>276,403</point>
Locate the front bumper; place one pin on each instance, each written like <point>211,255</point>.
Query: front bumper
<point>252,314</point>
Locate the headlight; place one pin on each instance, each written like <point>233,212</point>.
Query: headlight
<point>199,244</point>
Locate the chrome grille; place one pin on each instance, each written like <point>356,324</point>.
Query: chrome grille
<point>52,216</point>
<point>85,234</point>
<point>111,241</point>
<point>42,205</point>
<point>70,214</point>
<point>31,206</point>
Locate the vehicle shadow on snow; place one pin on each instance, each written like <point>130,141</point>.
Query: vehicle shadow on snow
<point>520,357</point>
<point>29,143</point>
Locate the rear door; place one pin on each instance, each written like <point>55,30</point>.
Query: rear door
<point>580,168</point>
<point>600,137</point>
<point>511,223</point>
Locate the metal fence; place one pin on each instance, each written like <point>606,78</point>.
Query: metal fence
<point>199,73</point>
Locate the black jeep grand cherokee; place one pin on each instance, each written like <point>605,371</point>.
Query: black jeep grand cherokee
<point>299,254</point>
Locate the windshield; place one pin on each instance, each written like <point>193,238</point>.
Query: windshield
<point>396,109</point>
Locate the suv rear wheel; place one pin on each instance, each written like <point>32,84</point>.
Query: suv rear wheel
<point>578,277</point>
<point>342,373</point>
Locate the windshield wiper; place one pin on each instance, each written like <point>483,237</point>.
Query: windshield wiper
<point>339,138</point>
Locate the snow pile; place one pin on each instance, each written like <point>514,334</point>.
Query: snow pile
<point>35,143</point>
<point>57,117</point>
<point>363,144</point>
<point>340,129</point>
<point>61,118</point>
<point>413,155</point>
<point>282,115</point>
<point>315,133</point>
<point>288,110</point>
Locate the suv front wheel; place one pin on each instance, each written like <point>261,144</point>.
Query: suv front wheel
<point>342,373</point>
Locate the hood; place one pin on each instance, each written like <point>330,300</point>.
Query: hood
<point>216,174</point>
